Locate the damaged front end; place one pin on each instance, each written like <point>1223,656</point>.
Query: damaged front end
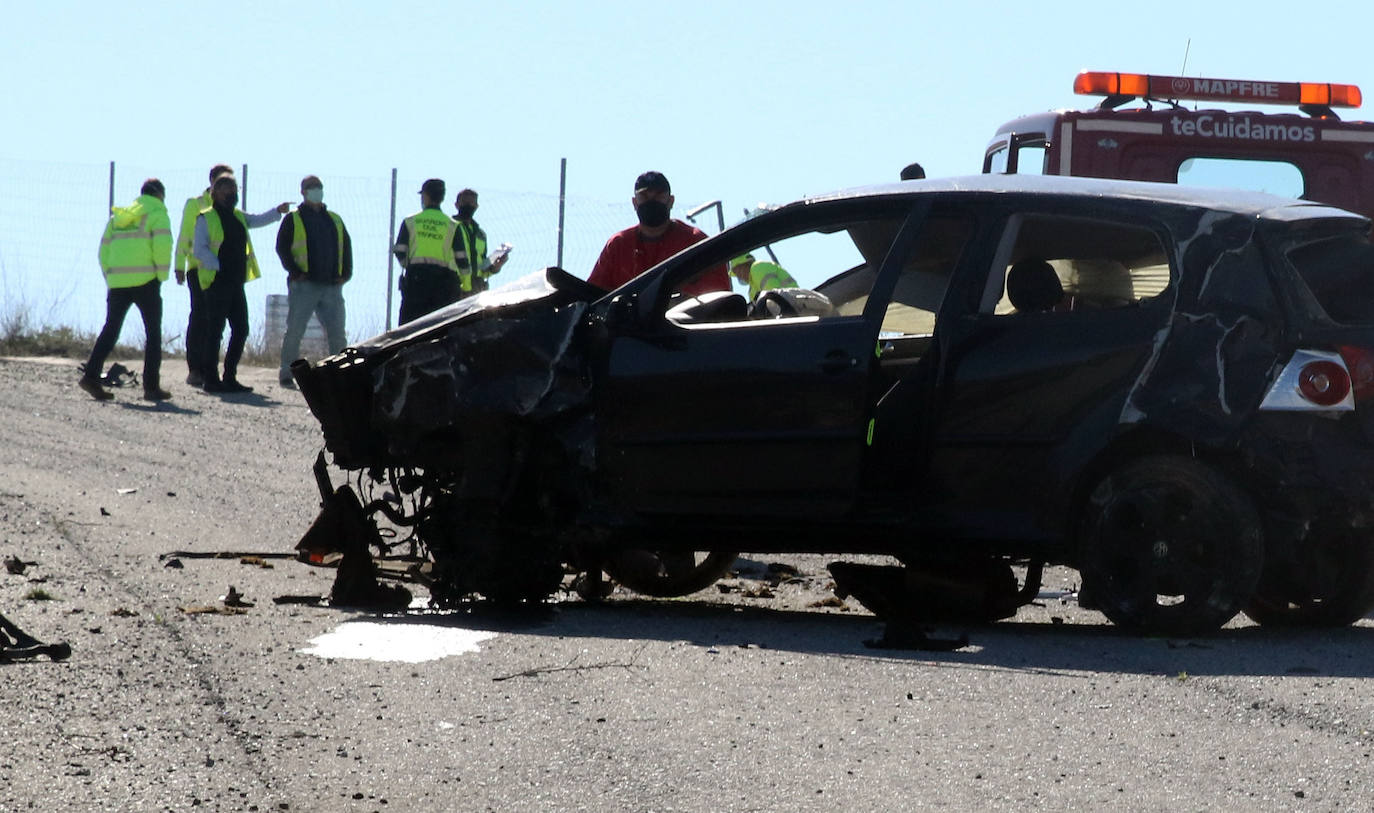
<point>497,378</point>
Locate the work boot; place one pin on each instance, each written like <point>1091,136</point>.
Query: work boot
<point>287,381</point>
<point>195,379</point>
<point>92,386</point>
<point>155,394</point>
<point>233,385</point>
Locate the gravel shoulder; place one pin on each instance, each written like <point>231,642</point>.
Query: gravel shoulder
<point>748,696</point>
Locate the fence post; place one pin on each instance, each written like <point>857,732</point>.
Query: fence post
<point>562,199</point>
<point>390,257</point>
<point>107,211</point>
<point>243,189</point>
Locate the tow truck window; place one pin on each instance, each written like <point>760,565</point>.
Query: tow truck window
<point>1030,158</point>
<point>1060,264</point>
<point>1274,177</point>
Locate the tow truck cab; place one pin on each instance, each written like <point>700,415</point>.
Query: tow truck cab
<point>1310,153</point>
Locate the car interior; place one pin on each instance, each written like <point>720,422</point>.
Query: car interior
<point>1066,264</point>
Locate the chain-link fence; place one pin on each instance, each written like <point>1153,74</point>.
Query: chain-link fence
<point>52,215</point>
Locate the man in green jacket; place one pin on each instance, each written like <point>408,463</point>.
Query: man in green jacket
<point>760,275</point>
<point>135,257</point>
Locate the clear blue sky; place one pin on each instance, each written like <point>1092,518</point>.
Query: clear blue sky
<point>739,101</point>
<point>742,101</point>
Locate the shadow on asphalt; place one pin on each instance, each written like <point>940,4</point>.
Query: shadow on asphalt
<point>159,406</point>
<point>1019,646</point>
<point>253,399</point>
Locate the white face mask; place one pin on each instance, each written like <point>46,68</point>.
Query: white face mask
<point>314,195</point>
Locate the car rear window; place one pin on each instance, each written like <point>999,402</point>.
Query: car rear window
<point>1339,271</point>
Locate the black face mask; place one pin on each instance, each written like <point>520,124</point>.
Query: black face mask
<point>466,212</point>
<point>230,201</point>
<point>652,213</point>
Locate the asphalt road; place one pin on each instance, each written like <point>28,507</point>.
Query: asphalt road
<point>748,699</point>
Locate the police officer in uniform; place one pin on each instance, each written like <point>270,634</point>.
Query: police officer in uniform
<point>473,268</point>
<point>429,248</point>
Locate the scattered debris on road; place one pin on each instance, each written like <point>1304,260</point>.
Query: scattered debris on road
<point>17,566</point>
<point>234,598</point>
<point>15,644</point>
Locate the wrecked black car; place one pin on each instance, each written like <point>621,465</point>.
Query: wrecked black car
<point>1168,389</point>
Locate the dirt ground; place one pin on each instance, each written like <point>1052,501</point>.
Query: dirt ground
<point>757,694</point>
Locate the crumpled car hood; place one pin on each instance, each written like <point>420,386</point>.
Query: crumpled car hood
<point>509,351</point>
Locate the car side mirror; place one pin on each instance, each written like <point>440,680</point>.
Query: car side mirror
<point>623,313</point>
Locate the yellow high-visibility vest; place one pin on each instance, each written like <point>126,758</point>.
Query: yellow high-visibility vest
<point>431,241</point>
<point>186,258</point>
<point>216,228</point>
<point>298,249</point>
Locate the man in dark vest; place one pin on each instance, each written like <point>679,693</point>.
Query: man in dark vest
<point>227,262</point>
<point>314,248</point>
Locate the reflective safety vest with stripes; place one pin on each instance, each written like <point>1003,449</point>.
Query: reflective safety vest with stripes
<point>298,248</point>
<point>137,245</point>
<point>186,259</point>
<point>431,242</point>
<point>475,247</point>
<point>216,231</point>
<point>765,276</point>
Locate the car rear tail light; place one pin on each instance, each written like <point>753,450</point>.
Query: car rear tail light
<point>1324,383</point>
<point>1360,362</point>
<point>1316,381</point>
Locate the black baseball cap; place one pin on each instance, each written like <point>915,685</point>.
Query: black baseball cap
<point>653,181</point>
<point>434,187</point>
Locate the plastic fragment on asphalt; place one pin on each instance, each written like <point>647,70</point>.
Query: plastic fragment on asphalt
<point>395,642</point>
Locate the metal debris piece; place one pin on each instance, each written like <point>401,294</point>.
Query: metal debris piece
<point>234,598</point>
<point>311,601</point>
<point>224,554</point>
<point>17,566</point>
<point>210,609</point>
<point>15,644</point>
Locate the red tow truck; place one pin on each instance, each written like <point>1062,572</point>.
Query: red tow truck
<point>1141,131</point>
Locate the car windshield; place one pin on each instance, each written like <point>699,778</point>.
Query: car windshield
<point>1339,271</point>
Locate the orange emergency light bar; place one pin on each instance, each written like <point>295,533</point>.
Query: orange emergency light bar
<point>1097,83</point>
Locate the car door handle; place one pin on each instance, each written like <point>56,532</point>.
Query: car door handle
<point>837,361</point>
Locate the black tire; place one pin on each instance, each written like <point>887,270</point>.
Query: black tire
<point>666,574</point>
<point>1330,585</point>
<point>1170,546</point>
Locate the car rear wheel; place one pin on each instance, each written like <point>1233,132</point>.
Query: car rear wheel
<point>1330,585</point>
<point>1171,546</point>
<point>669,573</point>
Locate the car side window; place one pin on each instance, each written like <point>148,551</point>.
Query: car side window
<point>925,277</point>
<point>1059,264</point>
<point>821,273</point>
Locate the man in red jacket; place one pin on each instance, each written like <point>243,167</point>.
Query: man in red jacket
<point>657,237</point>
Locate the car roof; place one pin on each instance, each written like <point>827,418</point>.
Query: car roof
<point>1235,201</point>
